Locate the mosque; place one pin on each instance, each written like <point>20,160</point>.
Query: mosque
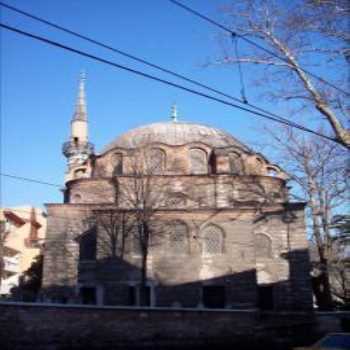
<point>174,214</point>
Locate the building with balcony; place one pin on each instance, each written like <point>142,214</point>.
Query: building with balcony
<point>23,235</point>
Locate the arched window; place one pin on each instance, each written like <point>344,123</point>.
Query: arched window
<point>178,237</point>
<point>87,245</point>
<point>79,173</point>
<point>157,160</point>
<point>236,164</point>
<point>117,162</point>
<point>198,161</point>
<point>76,198</point>
<point>213,240</point>
<point>263,249</point>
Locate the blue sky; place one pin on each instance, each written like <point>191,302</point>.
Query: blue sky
<point>39,83</point>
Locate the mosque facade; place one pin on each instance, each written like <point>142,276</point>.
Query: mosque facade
<point>174,214</point>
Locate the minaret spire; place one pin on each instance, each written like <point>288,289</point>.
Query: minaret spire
<point>79,127</point>
<point>174,113</point>
<point>78,149</point>
<point>80,107</point>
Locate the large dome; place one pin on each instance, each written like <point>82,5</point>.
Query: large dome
<point>174,133</point>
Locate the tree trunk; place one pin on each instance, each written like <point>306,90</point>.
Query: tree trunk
<point>320,284</point>
<point>144,234</point>
<point>321,287</point>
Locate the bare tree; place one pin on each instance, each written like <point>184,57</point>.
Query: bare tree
<point>340,259</point>
<point>309,35</point>
<point>318,171</point>
<point>139,192</point>
<point>143,193</point>
<point>115,226</point>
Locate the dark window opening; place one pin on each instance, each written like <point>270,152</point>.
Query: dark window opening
<point>132,300</point>
<point>265,297</point>
<point>88,295</point>
<point>145,295</point>
<point>117,164</point>
<point>87,245</point>
<point>214,297</point>
<point>212,164</point>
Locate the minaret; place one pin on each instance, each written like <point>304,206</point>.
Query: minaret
<point>78,149</point>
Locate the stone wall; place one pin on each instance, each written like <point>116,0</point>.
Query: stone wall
<point>58,327</point>
<point>214,191</point>
<point>288,269</point>
<point>178,279</point>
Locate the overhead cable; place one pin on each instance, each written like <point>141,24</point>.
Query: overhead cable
<point>162,69</point>
<point>163,81</point>
<point>253,43</point>
<point>28,179</point>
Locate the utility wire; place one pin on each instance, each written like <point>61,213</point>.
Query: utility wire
<point>167,82</point>
<point>28,179</point>
<point>253,43</point>
<point>141,60</point>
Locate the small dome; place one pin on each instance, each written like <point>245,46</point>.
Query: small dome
<point>175,134</point>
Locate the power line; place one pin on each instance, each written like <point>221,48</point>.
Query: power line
<point>28,179</point>
<point>251,42</point>
<point>167,82</point>
<point>141,60</point>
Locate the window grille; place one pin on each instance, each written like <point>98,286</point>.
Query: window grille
<point>198,160</point>
<point>176,201</point>
<point>136,242</point>
<point>235,163</point>
<point>157,161</point>
<point>178,238</point>
<point>263,247</point>
<point>213,241</point>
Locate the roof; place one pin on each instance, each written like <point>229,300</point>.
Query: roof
<point>175,134</point>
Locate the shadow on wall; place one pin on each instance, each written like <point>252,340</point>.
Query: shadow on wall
<point>115,281</point>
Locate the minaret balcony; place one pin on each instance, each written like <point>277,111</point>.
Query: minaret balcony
<point>71,148</point>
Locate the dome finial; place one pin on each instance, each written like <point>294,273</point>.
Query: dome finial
<point>174,113</point>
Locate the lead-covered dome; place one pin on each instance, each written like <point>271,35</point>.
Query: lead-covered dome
<point>174,133</point>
